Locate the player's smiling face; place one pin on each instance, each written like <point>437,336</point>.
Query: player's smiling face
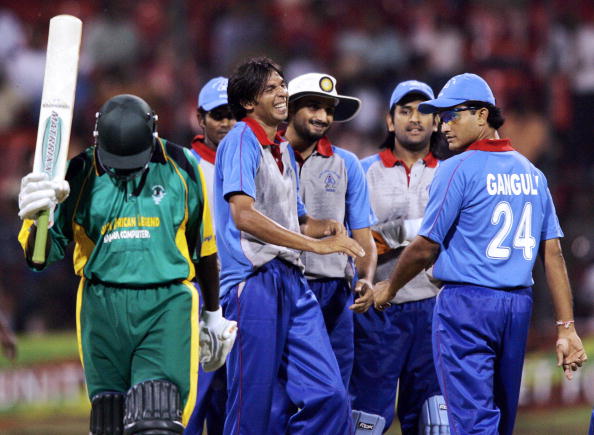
<point>271,106</point>
<point>311,117</point>
<point>412,128</point>
<point>464,129</point>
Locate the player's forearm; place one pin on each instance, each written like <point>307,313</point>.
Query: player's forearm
<point>557,279</point>
<point>366,265</point>
<point>260,226</point>
<point>416,257</point>
<point>207,274</point>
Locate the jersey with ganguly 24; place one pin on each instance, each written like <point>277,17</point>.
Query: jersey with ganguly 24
<point>148,230</point>
<point>489,208</point>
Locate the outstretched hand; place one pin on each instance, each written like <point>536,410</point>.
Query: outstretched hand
<point>339,243</point>
<point>570,353</point>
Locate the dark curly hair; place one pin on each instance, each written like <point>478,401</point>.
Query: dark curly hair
<point>247,82</point>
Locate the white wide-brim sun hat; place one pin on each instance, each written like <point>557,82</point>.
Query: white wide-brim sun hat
<point>324,85</point>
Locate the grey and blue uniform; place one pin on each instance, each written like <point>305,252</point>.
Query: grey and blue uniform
<point>489,209</point>
<point>333,186</point>
<point>393,347</point>
<point>281,332</point>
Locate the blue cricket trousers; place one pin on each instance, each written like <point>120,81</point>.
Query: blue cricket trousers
<point>282,338</point>
<point>335,297</point>
<point>394,347</point>
<point>479,342</point>
<point>210,403</point>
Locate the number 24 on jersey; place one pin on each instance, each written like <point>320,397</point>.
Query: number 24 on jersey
<point>523,239</point>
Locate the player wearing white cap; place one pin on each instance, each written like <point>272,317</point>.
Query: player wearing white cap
<point>259,215</point>
<point>332,186</point>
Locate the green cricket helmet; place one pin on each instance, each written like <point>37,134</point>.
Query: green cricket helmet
<point>125,133</point>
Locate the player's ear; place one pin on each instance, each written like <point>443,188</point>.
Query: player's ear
<point>435,123</point>
<point>389,122</point>
<point>201,120</point>
<point>248,105</point>
<point>482,115</point>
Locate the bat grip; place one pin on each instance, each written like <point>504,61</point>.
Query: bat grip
<point>40,238</point>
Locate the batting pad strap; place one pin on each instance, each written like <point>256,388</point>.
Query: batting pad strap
<point>107,414</point>
<point>153,407</point>
<point>368,424</point>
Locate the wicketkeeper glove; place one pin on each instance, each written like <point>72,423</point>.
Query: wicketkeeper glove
<point>39,193</point>
<point>217,336</point>
<point>395,233</point>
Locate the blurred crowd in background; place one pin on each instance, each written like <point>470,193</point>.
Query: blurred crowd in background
<point>538,57</point>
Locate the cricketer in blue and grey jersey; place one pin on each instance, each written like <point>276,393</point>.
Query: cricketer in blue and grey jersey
<point>282,339</point>
<point>489,213</point>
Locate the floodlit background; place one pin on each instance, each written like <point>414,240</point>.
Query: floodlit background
<point>538,57</point>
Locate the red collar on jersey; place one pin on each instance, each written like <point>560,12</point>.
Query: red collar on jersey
<point>324,147</point>
<point>389,159</point>
<point>203,150</point>
<point>497,145</point>
<point>265,142</point>
<point>260,133</point>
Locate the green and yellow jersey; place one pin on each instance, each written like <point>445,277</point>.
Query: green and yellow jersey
<point>140,232</point>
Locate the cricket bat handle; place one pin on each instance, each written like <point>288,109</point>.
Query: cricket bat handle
<point>40,238</point>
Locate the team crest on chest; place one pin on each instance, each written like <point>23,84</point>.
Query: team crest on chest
<point>158,193</point>
<point>330,180</point>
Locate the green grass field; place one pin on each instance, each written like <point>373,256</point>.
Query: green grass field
<point>41,348</point>
<point>70,418</point>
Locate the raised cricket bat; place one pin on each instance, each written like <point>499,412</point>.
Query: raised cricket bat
<point>55,115</point>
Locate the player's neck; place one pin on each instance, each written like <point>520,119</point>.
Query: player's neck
<point>302,146</point>
<point>209,143</point>
<point>487,133</point>
<point>269,128</point>
<point>409,157</point>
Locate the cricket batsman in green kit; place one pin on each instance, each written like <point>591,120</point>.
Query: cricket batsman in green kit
<point>137,210</point>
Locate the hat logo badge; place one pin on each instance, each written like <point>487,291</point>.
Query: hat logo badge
<point>326,84</point>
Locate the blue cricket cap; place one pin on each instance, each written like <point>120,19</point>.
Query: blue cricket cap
<point>405,88</point>
<point>458,90</point>
<point>213,94</point>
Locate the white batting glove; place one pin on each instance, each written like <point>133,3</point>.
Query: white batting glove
<point>39,193</point>
<point>217,336</point>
